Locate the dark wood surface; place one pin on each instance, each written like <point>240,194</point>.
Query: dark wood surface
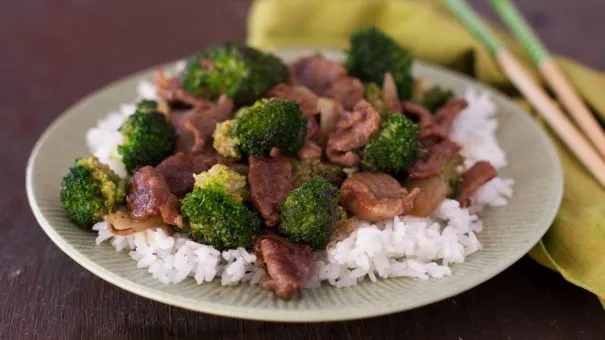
<point>55,52</point>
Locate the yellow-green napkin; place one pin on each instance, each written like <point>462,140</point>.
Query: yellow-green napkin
<point>575,244</point>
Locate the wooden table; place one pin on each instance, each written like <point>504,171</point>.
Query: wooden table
<point>55,52</point>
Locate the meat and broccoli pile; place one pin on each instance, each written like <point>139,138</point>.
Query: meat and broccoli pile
<point>242,150</point>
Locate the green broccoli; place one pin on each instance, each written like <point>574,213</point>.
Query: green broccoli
<point>395,146</point>
<point>310,212</point>
<point>216,218</point>
<point>221,177</point>
<point>148,137</point>
<point>431,97</point>
<point>270,123</point>
<point>241,72</point>
<point>372,53</point>
<point>240,112</point>
<point>89,191</point>
<point>215,211</point>
<point>223,143</point>
<point>451,174</point>
<point>435,98</point>
<point>305,169</point>
<point>146,106</point>
<point>373,95</point>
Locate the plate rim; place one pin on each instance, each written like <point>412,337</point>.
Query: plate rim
<point>319,315</point>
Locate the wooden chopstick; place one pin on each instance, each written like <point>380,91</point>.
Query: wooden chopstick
<point>551,73</point>
<point>544,105</point>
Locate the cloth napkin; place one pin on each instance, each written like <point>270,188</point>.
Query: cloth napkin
<point>574,246</point>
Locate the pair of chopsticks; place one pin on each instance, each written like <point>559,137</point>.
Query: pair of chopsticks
<point>591,155</point>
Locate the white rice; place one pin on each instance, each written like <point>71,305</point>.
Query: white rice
<point>171,259</point>
<point>406,246</point>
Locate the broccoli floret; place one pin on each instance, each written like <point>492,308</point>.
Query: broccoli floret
<point>223,142</point>
<point>452,175</point>
<point>241,72</point>
<point>148,137</point>
<point>270,123</point>
<point>146,106</point>
<point>218,219</point>
<point>305,169</point>
<point>395,146</point>
<point>373,95</point>
<point>221,177</point>
<point>435,98</point>
<point>240,112</point>
<point>372,53</point>
<point>310,212</point>
<point>215,211</point>
<point>89,191</point>
<point>431,97</point>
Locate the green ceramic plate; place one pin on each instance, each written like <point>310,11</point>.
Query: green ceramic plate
<point>510,232</point>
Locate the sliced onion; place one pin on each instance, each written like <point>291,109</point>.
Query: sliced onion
<point>390,98</point>
<point>329,113</point>
<point>164,108</point>
<point>121,223</point>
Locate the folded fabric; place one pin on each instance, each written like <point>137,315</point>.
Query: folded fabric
<point>575,244</point>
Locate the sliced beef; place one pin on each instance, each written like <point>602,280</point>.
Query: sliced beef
<point>184,140</point>
<point>316,73</point>
<point>312,128</point>
<point>346,159</point>
<point>438,149</point>
<point>288,265</point>
<point>199,127</point>
<point>376,196</point>
<point>418,113</point>
<point>327,78</point>
<point>177,171</point>
<point>170,90</point>
<point>222,109</point>
<point>270,182</point>
<point>310,150</point>
<point>434,128</point>
<point>150,196</point>
<point>305,98</point>
<point>200,123</point>
<point>446,114</point>
<point>472,179</point>
<point>179,168</point>
<point>347,90</point>
<point>434,159</point>
<point>210,156</point>
<point>353,131</point>
<point>443,119</point>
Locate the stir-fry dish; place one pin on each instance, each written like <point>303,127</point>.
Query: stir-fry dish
<point>241,166</point>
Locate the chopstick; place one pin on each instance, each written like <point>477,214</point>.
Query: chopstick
<point>544,105</point>
<point>551,73</point>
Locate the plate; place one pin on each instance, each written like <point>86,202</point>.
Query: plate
<point>509,233</point>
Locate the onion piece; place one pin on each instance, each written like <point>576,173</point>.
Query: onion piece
<point>121,223</point>
<point>390,98</point>
<point>329,114</point>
